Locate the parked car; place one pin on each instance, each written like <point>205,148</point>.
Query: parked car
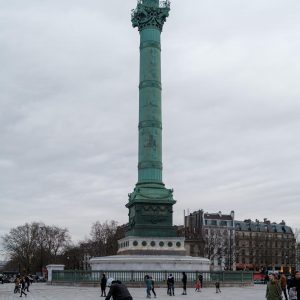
<point>40,279</point>
<point>4,279</point>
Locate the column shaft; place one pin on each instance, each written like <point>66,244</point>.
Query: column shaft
<point>150,124</point>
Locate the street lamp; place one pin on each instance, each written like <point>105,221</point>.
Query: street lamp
<point>68,262</point>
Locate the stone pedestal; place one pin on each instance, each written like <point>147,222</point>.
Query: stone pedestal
<point>171,263</point>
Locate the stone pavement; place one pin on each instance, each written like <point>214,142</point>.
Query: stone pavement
<point>42,291</point>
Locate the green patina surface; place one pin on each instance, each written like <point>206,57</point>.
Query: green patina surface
<point>150,204</point>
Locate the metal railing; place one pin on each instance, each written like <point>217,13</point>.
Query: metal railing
<point>160,277</point>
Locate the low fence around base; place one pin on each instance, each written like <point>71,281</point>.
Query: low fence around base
<point>136,278</point>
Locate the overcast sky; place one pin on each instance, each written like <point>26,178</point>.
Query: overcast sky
<point>69,110</point>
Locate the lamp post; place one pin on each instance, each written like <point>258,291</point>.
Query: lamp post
<point>68,262</point>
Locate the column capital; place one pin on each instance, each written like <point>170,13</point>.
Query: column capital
<point>150,14</point>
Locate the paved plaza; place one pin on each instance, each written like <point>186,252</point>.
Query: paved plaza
<point>42,291</point>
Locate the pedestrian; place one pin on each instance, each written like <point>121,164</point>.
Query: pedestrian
<point>201,280</point>
<point>289,282</point>
<point>296,283</point>
<point>217,284</point>
<point>184,281</point>
<point>27,283</point>
<point>23,284</point>
<point>148,285</point>
<point>197,285</point>
<point>152,286</point>
<point>273,291</point>
<point>283,284</point>
<point>103,285</point>
<point>117,290</point>
<point>17,284</point>
<point>170,283</point>
<point>293,293</point>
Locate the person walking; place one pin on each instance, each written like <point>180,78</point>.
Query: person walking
<point>27,283</point>
<point>152,286</point>
<point>170,283</point>
<point>117,290</point>
<point>283,283</point>
<point>273,291</point>
<point>217,284</point>
<point>17,284</point>
<point>23,286</point>
<point>148,286</point>
<point>201,280</point>
<point>296,283</point>
<point>184,281</point>
<point>197,285</point>
<point>289,281</point>
<point>103,285</point>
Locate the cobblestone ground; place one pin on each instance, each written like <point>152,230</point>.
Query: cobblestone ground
<point>42,291</point>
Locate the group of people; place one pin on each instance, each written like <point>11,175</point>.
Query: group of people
<point>22,284</point>
<point>279,286</point>
<point>149,281</point>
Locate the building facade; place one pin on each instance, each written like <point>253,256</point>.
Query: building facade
<point>298,256</point>
<point>211,235</point>
<point>241,245</point>
<point>264,246</point>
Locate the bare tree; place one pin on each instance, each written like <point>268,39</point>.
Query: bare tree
<point>104,237</point>
<point>217,247</point>
<point>34,245</point>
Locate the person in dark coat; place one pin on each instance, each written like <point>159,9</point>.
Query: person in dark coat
<point>201,280</point>
<point>103,285</point>
<point>152,286</point>
<point>217,284</point>
<point>289,282</point>
<point>117,291</point>
<point>27,283</point>
<point>296,283</point>
<point>170,284</point>
<point>184,281</point>
<point>23,286</point>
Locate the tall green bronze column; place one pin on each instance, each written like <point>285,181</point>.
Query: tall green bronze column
<point>150,204</point>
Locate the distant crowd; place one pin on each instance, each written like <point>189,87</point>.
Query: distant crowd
<point>279,286</point>
<point>118,291</point>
